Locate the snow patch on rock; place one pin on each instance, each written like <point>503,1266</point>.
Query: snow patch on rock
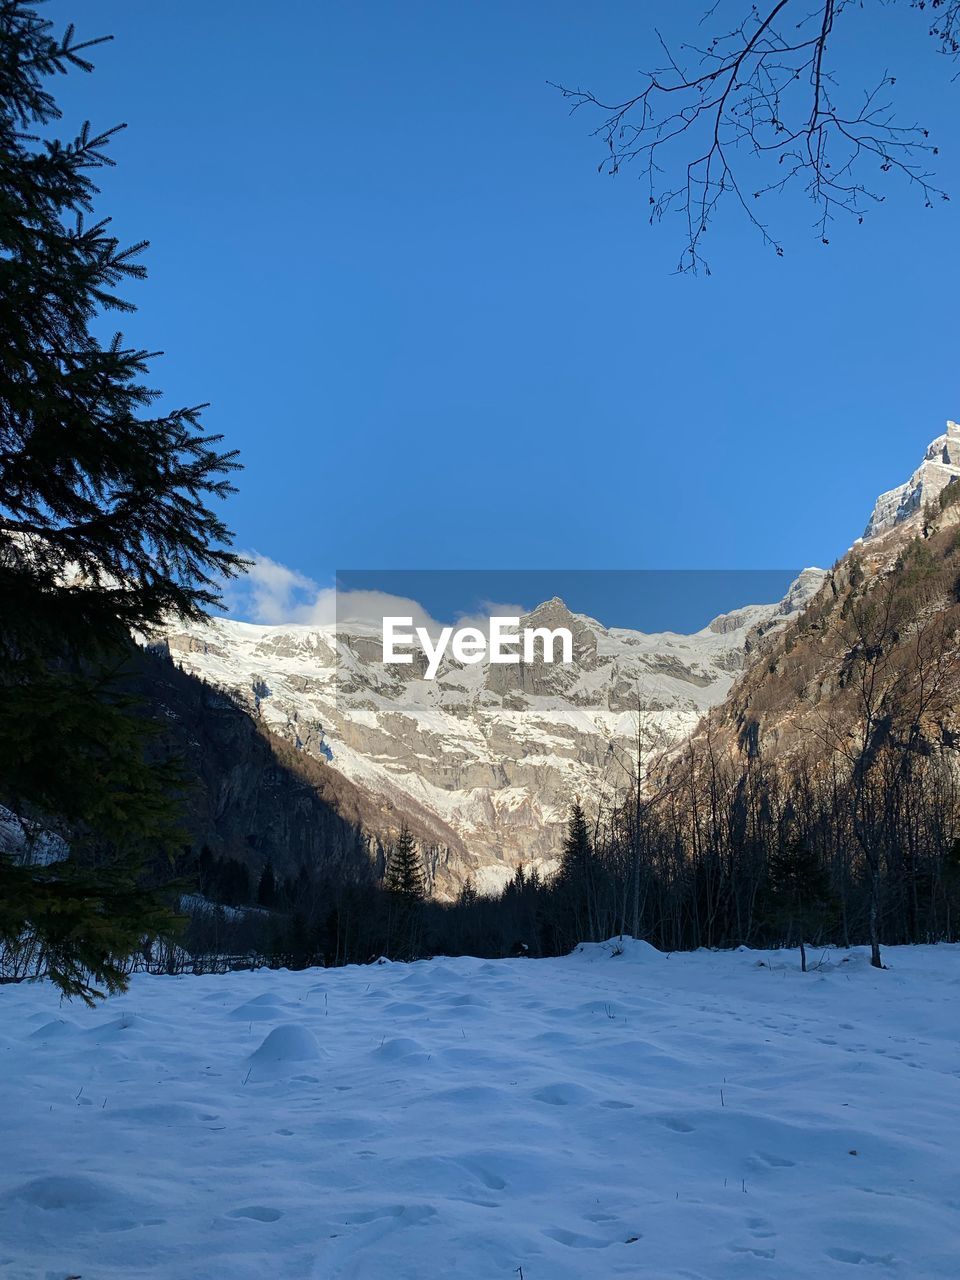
<point>940,467</point>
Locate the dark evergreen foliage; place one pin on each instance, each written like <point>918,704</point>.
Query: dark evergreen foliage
<point>267,888</point>
<point>105,525</point>
<point>405,888</point>
<point>404,878</point>
<point>799,897</point>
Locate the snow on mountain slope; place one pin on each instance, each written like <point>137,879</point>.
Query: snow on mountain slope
<point>940,467</point>
<point>486,759</point>
<point>711,1115</point>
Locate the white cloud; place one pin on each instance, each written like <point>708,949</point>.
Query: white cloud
<point>488,610</point>
<point>373,606</point>
<point>270,592</point>
<point>273,593</point>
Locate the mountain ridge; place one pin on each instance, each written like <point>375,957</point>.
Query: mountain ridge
<point>484,761</point>
<point>939,468</point>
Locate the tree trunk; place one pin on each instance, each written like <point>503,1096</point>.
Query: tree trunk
<point>636,880</point>
<point>875,958</point>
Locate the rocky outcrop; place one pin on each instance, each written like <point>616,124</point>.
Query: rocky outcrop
<point>885,623</point>
<point>940,467</point>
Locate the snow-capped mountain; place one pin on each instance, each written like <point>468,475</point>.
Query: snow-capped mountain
<point>940,467</point>
<point>891,600</point>
<point>485,760</point>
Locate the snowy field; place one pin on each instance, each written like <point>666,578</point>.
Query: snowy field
<point>699,1116</point>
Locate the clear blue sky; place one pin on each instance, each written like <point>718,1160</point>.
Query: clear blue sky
<point>380,247</point>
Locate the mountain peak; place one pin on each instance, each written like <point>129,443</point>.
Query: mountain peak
<point>553,612</point>
<point>940,466</point>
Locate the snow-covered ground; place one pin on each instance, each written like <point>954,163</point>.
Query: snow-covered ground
<point>699,1116</point>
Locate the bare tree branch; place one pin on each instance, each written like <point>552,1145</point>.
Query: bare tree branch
<point>757,110</point>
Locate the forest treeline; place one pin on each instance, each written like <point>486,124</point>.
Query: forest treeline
<point>733,857</point>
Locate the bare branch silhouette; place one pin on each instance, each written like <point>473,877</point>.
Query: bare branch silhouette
<point>759,109</point>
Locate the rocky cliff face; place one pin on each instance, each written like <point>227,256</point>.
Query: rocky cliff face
<point>889,608</point>
<point>484,761</point>
<point>939,468</point>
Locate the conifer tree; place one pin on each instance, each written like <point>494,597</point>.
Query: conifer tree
<point>105,525</point>
<point>799,894</point>
<point>576,846</point>
<point>467,897</point>
<point>267,888</point>
<point>404,876</point>
<point>406,889</point>
<point>575,880</point>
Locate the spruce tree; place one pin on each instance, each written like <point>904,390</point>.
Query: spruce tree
<point>267,888</point>
<point>575,880</point>
<point>105,526</point>
<point>404,876</point>
<point>577,849</point>
<point>799,896</point>
<point>406,889</point>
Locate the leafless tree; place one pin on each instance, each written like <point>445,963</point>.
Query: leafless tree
<point>897,673</point>
<point>758,106</point>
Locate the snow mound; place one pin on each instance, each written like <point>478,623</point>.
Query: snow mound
<point>628,949</point>
<point>261,1008</point>
<point>398,1049</point>
<point>57,1027</point>
<point>127,1022</point>
<point>290,1045</point>
<point>820,960</point>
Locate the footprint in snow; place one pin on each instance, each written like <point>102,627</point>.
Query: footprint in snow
<point>575,1239</point>
<point>760,1228</point>
<point>773,1162</point>
<point>491,1180</point>
<point>675,1124</point>
<point>401,1213</point>
<point>855,1257</point>
<point>258,1212</point>
<point>563,1095</point>
<point>767,1255</point>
